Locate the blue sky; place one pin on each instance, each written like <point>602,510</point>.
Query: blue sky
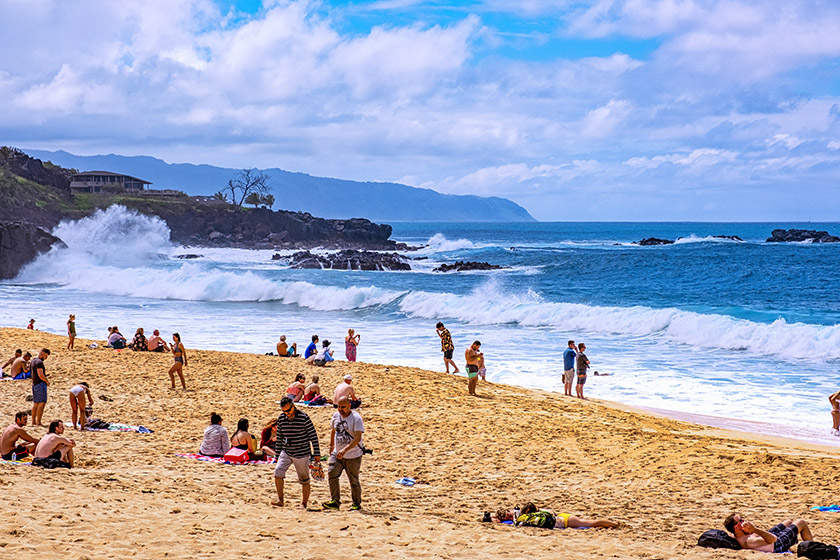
<point>603,110</point>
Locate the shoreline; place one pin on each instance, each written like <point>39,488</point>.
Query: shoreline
<point>666,481</point>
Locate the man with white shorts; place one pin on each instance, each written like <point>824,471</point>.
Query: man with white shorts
<point>569,367</point>
<point>295,435</point>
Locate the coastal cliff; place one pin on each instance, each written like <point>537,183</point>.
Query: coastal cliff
<point>20,243</point>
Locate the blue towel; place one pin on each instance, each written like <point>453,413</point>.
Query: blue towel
<point>833,507</point>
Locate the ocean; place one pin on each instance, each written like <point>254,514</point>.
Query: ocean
<point>741,334</point>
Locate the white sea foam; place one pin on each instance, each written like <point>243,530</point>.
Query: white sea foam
<point>490,304</point>
<point>707,239</point>
<point>438,243</point>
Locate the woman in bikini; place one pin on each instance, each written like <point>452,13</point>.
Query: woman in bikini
<point>296,389</point>
<point>78,405</point>
<point>180,355</point>
<point>241,439</point>
<point>268,438</point>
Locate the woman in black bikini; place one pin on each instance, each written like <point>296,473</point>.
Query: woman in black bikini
<point>241,439</point>
<point>180,355</point>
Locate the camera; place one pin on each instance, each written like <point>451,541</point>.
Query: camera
<point>366,451</point>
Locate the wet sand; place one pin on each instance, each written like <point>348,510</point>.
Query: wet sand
<point>665,480</point>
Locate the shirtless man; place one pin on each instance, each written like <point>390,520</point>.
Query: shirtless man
<point>347,390</point>
<point>475,361</point>
<point>286,351</point>
<point>55,446</point>
<point>11,360</point>
<point>20,365</point>
<point>156,343</point>
<point>834,399</point>
<point>14,432</point>
<point>778,539</point>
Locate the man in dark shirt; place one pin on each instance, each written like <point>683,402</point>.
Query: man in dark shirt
<point>582,366</point>
<point>39,386</point>
<point>295,435</point>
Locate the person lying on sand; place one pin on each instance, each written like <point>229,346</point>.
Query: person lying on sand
<point>530,516</point>
<point>55,446</point>
<point>777,539</point>
<point>13,432</point>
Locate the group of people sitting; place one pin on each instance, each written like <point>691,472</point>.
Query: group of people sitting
<point>310,394</point>
<point>140,343</point>
<point>217,441</point>
<point>52,451</point>
<point>319,355</point>
<point>19,363</point>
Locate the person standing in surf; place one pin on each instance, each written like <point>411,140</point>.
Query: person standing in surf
<point>475,361</point>
<point>569,367</point>
<point>582,366</point>
<point>446,346</point>
<point>180,355</point>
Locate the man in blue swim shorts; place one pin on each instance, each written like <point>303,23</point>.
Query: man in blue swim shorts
<point>778,539</point>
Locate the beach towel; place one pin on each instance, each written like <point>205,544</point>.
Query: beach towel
<point>26,461</point>
<point>199,457</point>
<point>115,427</point>
<point>832,507</point>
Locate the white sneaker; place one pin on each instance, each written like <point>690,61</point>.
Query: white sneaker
<point>835,432</point>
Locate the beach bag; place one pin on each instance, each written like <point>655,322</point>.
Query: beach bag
<point>817,551</point>
<point>318,401</point>
<point>715,538</point>
<point>236,455</point>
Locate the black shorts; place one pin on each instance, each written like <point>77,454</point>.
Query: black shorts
<point>447,354</point>
<point>786,537</point>
<point>158,349</point>
<point>20,451</point>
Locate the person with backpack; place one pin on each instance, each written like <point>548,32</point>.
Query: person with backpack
<point>777,539</point>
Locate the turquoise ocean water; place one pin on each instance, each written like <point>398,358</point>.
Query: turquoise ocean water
<point>740,331</point>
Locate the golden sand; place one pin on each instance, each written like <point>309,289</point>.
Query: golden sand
<point>666,481</point>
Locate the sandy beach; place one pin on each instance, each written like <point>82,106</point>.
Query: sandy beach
<point>665,480</point>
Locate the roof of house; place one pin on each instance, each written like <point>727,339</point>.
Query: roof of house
<point>109,173</point>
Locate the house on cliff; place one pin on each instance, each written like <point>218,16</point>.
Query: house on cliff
<point>106,182</point>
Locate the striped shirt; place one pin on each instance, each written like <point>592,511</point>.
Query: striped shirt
<point>295,434</point>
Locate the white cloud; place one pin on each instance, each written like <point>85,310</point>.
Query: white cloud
<point>704,157</point>
<point>785,139</point>
<point>602,122</point>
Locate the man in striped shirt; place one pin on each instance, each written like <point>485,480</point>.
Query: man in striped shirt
<point>295,434</point>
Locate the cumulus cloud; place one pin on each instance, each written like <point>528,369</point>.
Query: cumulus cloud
<point>703,157</point>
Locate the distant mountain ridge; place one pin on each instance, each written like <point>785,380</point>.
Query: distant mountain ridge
<point>321,196</point>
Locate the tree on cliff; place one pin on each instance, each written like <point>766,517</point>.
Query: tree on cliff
<point>246,183</point>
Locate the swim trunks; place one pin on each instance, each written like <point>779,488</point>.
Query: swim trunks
<point>472,371</point>
<point>786,537</point>
<point>581,379</point>
<point>39,392</point>
<point>448,354</point>
<point>20,451</point>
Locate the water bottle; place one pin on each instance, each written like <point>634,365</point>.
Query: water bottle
<point>516,511</point>
<point>14,456</point>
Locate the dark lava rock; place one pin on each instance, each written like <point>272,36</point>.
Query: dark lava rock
<point>798,235</point>
<point>460,266</point>
<point>730,237</point>
<point>188,256</point>
<point>21,242</point>
<point>647,241</point>
<point>349,259</point>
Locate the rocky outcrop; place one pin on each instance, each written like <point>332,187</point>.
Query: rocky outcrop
<point>799,235</point>
<point>349,260</point>
<point>648,241</point>
<point>461,266</point>
<point>729,237</point>
<point>20,243</point>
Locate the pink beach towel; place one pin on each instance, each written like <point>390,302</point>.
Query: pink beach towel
<point>221,460</point>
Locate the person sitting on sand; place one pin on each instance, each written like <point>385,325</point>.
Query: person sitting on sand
<point>216,440</point>
<point>116,340</point>
<point>777,539</point>
<point>346,389</point>
<point>18,353</point>
<point>530,516</point>
<point>312,348</point>
<point>268,438</point>
<point>10,436</point>
<point>296,389</point>
<point>31,325</point>
<point>323,357</point>
<point>834,399</point>
<point>139,344</point>
<point>20,367</point>
<point>78,404</point>
<point>55,446</point>
<point>179,353</point>
<point>157,343</point>
<point>313,389</point>
<point>286,351</point>
<point>243,440</point>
